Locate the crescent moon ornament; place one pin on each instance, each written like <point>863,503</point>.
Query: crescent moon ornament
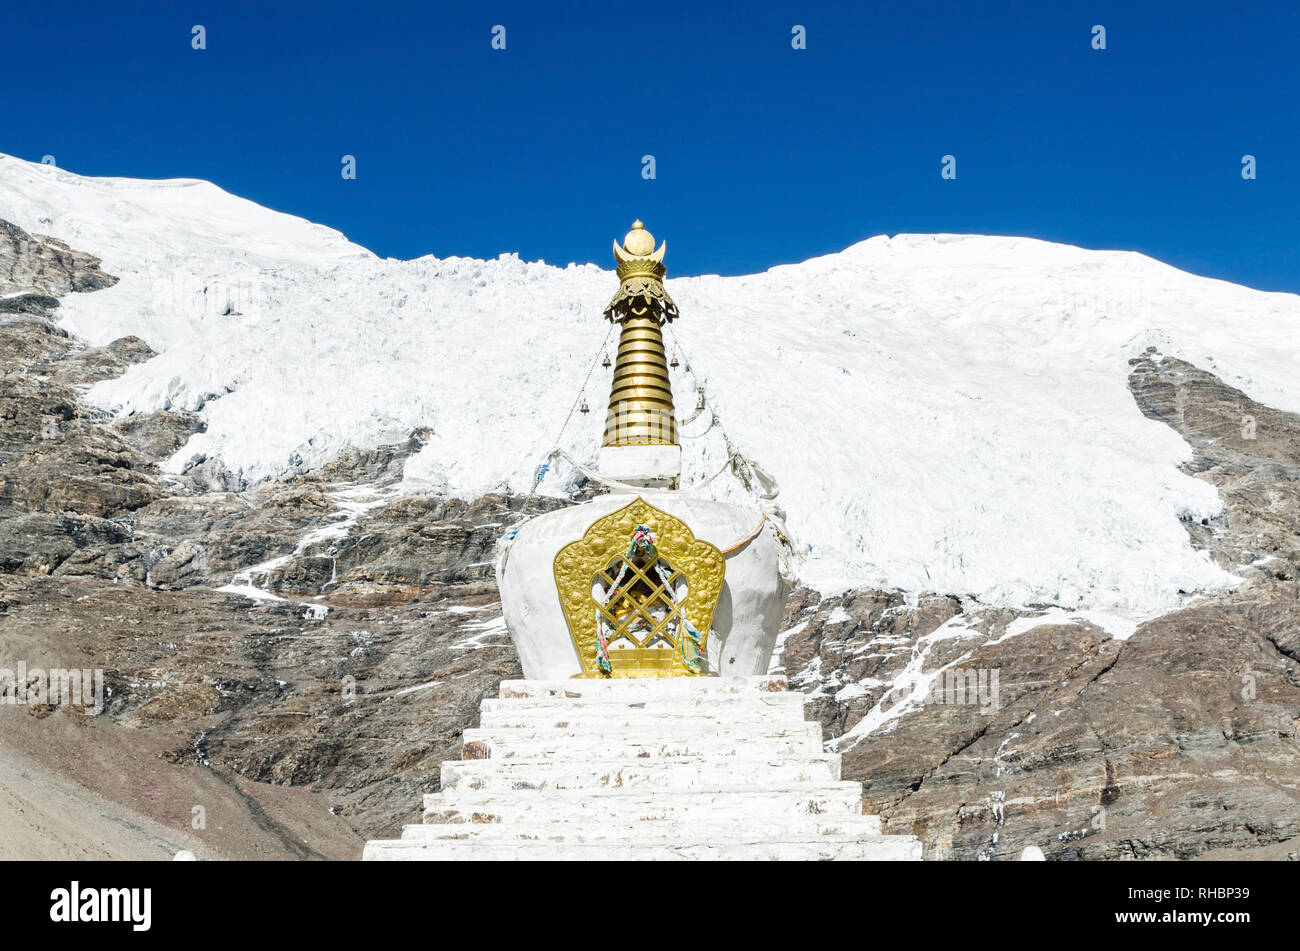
<point>640,273</point>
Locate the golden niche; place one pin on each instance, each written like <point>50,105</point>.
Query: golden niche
<point>638,592</point>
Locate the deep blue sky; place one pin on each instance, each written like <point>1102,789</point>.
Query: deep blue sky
<point>764,155</point>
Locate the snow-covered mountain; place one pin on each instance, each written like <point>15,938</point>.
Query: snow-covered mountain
<point>944,413</point>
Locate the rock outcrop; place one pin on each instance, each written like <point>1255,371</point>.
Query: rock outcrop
<point>993,733</point>
<point>41,265</point>
<point>1250,452</point>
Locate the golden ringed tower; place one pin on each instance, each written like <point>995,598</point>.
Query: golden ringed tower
<point>641,409</point>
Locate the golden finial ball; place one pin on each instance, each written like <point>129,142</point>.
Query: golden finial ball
<point>639,241</point>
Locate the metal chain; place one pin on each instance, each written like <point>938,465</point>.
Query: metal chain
<point>541,470</point>
<point>587,379</point>
<point>733,454</point>
<point>738,462</point>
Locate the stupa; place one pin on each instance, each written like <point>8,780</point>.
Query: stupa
<point>645,619</point>
<point>644,581</point>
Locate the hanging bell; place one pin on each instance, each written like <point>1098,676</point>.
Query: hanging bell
<point>584,409</point>
<point>605,362</point>
<point>673,362</point>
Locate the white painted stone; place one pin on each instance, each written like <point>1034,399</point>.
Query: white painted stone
<point>631,690</point>
<point>650,467</point>
<point>663,769</point>
<point>632,720</point>
<point>651,742</point>
<point>745,622</point>
<point>818,800</point>
<point>689,825</point>
<point>681,774</point>
<point>753,849</point>
<point>780,704</point>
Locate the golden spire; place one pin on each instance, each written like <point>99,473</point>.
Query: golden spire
<point>641,399</point>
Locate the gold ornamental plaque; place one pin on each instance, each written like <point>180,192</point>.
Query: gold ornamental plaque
<point>638,592</point>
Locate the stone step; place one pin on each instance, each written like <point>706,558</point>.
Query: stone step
<point>678,773</point>
<point>641,733</point>
<point>717,704</point>
<point>642,687</point>
<point>690,826</point>
<point>752,848</point>
<point>629,805</point>
<point>618,718</point>
<point>690,768</point>
<point>777,740</point>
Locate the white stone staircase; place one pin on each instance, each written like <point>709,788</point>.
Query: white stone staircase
<point>665,768</point>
